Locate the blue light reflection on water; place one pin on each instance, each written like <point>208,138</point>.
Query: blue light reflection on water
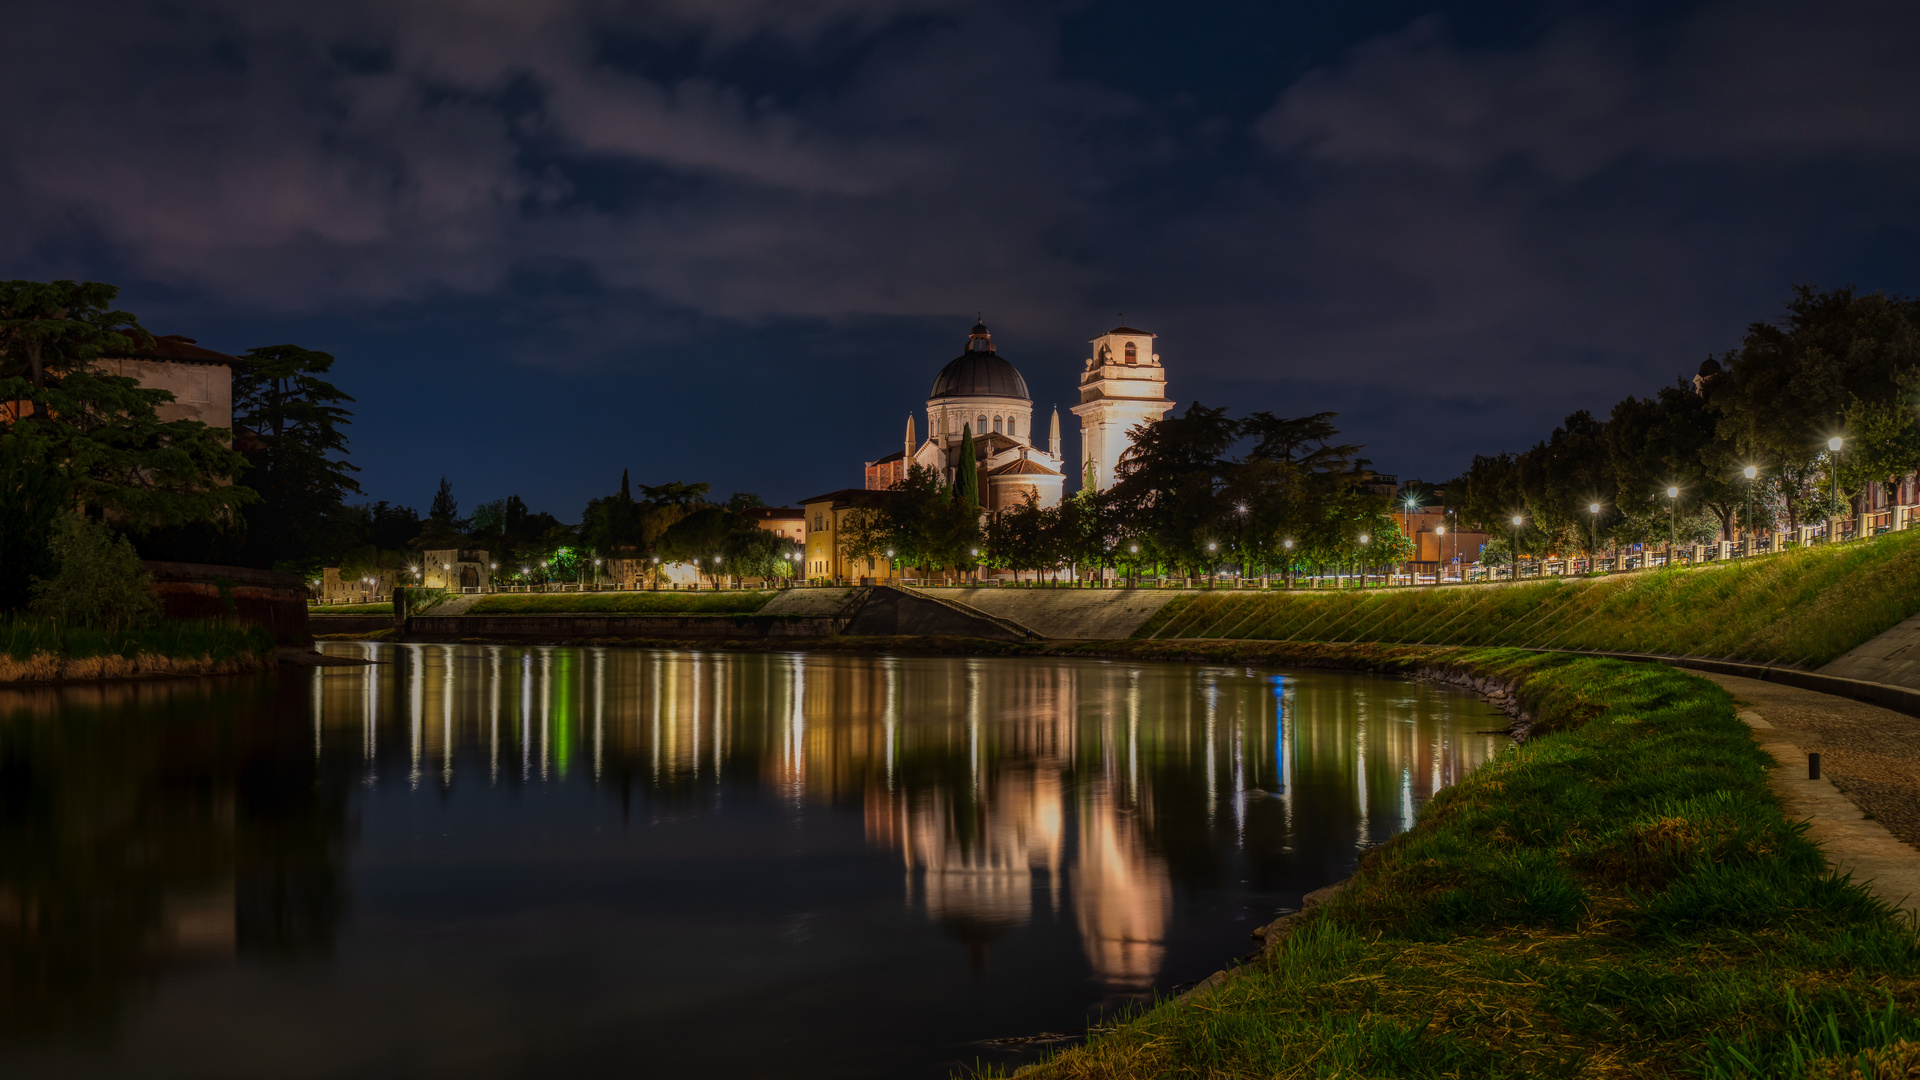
<point>504,861</point>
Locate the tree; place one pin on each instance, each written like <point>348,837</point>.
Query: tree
<point>966,480</point>
<point>1885,439</point>
<point>48,328</point>
<point>292,420</point>
<point>443,528</point>
<point>33,495</point>
<point>701,538</point>
<point>99,434</point>
<point>1172,477</point>
<point>100,583</point>
<point>1789,386</point>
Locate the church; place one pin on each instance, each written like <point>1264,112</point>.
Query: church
<point>1121,385</point>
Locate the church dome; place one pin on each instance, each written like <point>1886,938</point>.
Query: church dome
<point>979,372</point>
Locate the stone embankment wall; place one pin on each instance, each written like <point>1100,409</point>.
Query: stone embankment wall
<point>274,602</point>
<point>577,627</point>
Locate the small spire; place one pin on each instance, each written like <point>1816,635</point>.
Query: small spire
<point>907,459</point>
<point>1053,433</point>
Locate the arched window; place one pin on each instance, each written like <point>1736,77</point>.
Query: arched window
<point>1133,357</point>
<point>1011,428</point>
<point>996,425</point>
<point>980,424</point>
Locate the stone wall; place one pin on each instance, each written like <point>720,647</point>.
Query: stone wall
<point>277,603</point>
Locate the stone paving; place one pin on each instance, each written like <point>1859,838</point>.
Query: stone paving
<point>1865,810</point>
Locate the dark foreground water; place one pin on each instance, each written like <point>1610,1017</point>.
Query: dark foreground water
<point>476,861</point>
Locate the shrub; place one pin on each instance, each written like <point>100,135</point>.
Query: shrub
<point>99,583</point>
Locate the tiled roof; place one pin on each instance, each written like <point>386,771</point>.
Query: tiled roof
<point>179,350</point>
<point>1023,467</point>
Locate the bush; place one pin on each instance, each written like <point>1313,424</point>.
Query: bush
<point>99,584</point>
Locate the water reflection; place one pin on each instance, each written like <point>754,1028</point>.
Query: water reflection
<point>1135,811</point>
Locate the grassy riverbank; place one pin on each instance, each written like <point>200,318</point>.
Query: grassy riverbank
<point>34,650</point>
<point>624,603</point>
<point>1621,896</point>
<point>1800,607</point>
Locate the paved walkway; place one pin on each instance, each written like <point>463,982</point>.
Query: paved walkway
<point>1865,810</point>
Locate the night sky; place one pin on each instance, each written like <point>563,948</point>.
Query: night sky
<point>734,242</point>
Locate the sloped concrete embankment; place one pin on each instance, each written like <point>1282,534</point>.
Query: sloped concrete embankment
<point>887,611</point>
<point>1065,614</point>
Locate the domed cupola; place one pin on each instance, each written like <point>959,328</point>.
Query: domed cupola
<point>979,372</point>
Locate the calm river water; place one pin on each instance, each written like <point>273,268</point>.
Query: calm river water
<point>482,861</point>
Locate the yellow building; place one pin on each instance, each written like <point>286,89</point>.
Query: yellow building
<point>826,555</point>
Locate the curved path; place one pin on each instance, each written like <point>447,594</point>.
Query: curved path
<point>1865,811</point>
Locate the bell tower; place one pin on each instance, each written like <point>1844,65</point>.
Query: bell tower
<point>1123,386</point>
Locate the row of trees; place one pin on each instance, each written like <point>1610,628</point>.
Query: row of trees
<point>1196,493</point>
<point>1839,365</point>
<point>672,523</point>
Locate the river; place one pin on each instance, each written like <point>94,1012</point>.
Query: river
<point>482,861</point>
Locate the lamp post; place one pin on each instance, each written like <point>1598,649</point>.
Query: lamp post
<point>1133,564</point>
<point>974,554</point>
<point>1593,547</point>
<point>1673,504</point>
<point>1363,559</point>
<point>1746,522</point>
<point>1517,522</point>
<point>1287,545</point>
<point>1833,467</point>
<point>1439,565</point>
<point>1211,548</point>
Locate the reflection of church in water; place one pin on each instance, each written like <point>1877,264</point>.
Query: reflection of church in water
<point>980,392</point>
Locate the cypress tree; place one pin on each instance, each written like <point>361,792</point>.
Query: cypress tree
<point>966,483</point>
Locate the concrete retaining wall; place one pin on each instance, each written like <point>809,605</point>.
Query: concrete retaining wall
<point>348,624</point>
<point>573,627</point>
<point>277,603</point>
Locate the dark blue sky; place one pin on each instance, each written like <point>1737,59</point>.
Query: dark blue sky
<point>552,239</point>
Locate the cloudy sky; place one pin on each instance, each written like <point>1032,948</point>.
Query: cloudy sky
<point>734,241</point>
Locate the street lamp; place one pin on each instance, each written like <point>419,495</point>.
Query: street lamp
<point>1517,522</point>
<point>1288,545</point>
<point>1752,473</point>
<point>1833,445</point>
<point>1673,503</point>
<point>1438,565</point>
<point>1363,560</point>
<point>1593,552</point>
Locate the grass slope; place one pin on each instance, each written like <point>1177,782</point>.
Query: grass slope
<point>1800,607</point>
<point>626,603</point>
<point>1621,896</point>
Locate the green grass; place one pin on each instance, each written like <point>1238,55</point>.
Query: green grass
<point>350,609</point>
<point>1620,896</point>
<point>1800,607</point>
<point>630,603</point>
<point>22,636</point>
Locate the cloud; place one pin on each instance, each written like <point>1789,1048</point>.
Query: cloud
<point>1517,229</point>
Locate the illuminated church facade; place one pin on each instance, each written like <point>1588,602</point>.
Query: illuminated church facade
<point>1122,384</point>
